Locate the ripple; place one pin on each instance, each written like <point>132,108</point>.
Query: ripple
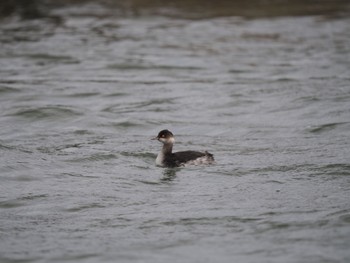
<point>6,89</point>
<point>75,175</point>
<point>11,204</point>
<point>125,124</point>
<point>7,147</point>
<point>98,157</point>
<point>83,95</point>
<point>21,201</point>
<point>26,260</point>
<point>84,207</point>
<point>76,258</point>
<point>149,105</point>
<point>49,58</point>
<point>336,169</point>
<point>117,94</point>
<point>48,112</point>
<point>127,66</point>
<point>345,218</point>
<point>146,155</point>
<point>326,127</point>
<point>211,220</point>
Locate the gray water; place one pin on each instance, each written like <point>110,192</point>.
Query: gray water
<point>83,91</point>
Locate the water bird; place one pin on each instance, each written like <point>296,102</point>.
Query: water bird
<point>166,158</point>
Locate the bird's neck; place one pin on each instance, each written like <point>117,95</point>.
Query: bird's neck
<point>167,148</point>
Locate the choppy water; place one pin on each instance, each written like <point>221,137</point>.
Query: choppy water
<point>82,95</point>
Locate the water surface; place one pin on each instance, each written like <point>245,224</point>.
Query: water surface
<point>82,92</point>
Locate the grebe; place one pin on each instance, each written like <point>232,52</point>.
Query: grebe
<point>166,158</point>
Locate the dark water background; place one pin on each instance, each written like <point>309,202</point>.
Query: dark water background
<point>263,85</point>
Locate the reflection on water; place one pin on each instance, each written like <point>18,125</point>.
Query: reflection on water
<point>169,174</point>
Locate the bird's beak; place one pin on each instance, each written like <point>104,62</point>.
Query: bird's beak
<point>155,138</point>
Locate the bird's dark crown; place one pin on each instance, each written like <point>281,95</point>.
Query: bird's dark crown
<point>165,134</point>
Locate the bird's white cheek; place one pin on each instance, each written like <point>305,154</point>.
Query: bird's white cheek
<point>162,140</point>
